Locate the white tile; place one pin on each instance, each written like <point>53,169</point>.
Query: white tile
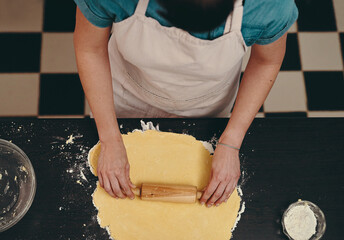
<point>245,59</point>
<point>288,94</point>
<point>260,115</point>
<point>293,28</point>
<point>87,108</point>
<point>58,53</point>
<point>320,51</point>
<point>19,94</point>
<point>21,15</point>
<point>339,12</point>
<point>326,114</point>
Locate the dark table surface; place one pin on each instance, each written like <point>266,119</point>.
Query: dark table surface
<point>283,160</point>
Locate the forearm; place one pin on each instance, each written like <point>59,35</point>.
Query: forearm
<point>92,58</point>
<point>259,77</point>
<point>95,76</point>
<point>254,88</point>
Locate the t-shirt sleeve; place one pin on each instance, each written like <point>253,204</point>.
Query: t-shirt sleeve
<point>95,12</point>
<point>281,16</point>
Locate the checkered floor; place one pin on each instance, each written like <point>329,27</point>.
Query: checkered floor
<point>38,74</point>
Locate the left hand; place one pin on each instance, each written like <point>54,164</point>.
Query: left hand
<point>225,174</point>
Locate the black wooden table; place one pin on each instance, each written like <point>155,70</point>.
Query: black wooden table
<point>283,160</point>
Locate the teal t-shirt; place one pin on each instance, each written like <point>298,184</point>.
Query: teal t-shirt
<point>264,21</point>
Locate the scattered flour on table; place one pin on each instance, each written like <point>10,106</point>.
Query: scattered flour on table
<point>208,146</point>
<point>241,211</point>
<point>300,222</point>
<point>70,139</point>
<point>147,126</point>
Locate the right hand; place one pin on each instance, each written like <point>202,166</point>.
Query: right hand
<point>113,170</point>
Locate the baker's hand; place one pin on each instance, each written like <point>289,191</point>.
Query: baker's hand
<point>224,177</point>
<point>113,170</point>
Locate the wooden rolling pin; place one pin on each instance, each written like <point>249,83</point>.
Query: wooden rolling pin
<point>168,193</point>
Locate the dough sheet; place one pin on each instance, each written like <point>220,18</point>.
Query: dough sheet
<point>164,158</point>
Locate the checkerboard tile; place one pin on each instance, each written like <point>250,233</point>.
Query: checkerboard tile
<point>286,115</point>
<point>87,108</point>
<point>58,53</point>
<point>59,15</point>
<point>325,90</point>
<point>291,59</point>
<point>288,94</point>
<point>339,12</point>
<point>38,74</point>
<point>316,15</point>
<point>342,44</point>
<point>320,52</point>
<point>26,18</point>
<point>322,114</point>
<point>19,94</point>
<point>20,52</point>
<point>61,94</point>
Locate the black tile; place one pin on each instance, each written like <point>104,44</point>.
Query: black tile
<point>316,15</point>
<point>342,44</point>
<point>325,90</point>
<point>286,115</point>
<point>292,56</point>
<point>20,52</point>
<point>59,15</point>
<point>61,94</point>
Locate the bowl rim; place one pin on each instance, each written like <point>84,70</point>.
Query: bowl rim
<point>304,202</point>
<point>29,202</point>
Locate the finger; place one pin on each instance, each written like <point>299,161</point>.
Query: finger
<point>100,178</point>
<point>132,185</point>
<point>115,187</point>
<point>125,187</point>
<point>225,195</point>
<point>217,194</point>
<point>230,192</point>
<point>127,174</point>
<point>107,186</point>
<point>209,191</point>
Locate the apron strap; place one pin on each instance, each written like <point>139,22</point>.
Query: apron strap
<point>234,20</point>
<point>141,7</point>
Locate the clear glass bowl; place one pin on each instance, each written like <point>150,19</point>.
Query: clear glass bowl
<point>17,184</point>
<point>319,215</point>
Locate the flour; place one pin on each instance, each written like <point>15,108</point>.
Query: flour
<point>149,126</point>
<point>208,146</point>
<point>242,210</point>
<point>23,169</point>
<point>300,222</point>
<point>7,187</point>
<point>70,139</point>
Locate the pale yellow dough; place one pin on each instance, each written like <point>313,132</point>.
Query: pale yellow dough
<point>167,158</point>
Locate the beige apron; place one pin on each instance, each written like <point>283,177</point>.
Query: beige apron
<point>162,71</point>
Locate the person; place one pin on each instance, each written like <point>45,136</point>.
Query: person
<point>178,58</point>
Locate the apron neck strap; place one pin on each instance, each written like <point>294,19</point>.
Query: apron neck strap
<point>234,20</point>
<point>141,7</point>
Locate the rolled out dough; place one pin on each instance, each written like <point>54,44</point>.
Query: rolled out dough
<point>167,158</point>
